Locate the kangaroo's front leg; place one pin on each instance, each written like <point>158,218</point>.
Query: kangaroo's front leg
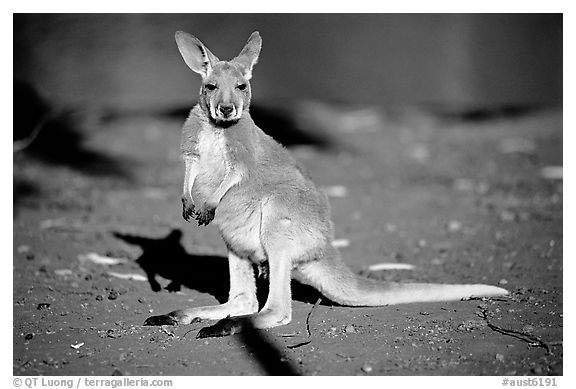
<point>241,299</point>
<point>191,165</point>
<point>206,209</point>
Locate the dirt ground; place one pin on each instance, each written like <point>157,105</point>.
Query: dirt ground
<point>465,197</point>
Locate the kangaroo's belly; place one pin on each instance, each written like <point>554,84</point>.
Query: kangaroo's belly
<point>238,217</point>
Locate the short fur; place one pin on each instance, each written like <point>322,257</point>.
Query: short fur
<point>266,207</point>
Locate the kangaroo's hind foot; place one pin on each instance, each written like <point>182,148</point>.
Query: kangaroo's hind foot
<point>242,299</point>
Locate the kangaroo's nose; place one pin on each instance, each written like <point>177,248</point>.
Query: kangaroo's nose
<point>226,109</point>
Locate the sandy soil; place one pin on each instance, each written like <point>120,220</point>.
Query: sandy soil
<point>462,198</point>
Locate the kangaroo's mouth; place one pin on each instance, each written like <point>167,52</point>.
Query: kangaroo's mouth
<point>225,113</point>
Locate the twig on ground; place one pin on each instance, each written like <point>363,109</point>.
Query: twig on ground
<point>309,340</point>
<point>532,340</point>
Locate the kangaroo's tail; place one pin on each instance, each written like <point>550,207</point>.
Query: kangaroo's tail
<point>335,280</point>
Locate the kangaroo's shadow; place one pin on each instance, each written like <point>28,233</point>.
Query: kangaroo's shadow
<point>167,258</point>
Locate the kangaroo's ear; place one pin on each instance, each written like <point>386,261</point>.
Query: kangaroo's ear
<point>249,54</point>
<point>195,54</point>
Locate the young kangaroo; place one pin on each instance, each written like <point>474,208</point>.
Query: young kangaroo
<point>267,209</point>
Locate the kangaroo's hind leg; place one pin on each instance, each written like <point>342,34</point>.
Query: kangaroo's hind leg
<point>277,310</point>
<point>285,242</point>
<point>241,299</point>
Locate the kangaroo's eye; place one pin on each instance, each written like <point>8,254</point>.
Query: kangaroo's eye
<point>241,86</point>
<point>210,86</point>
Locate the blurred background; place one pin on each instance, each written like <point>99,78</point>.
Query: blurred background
<point>130,61</point>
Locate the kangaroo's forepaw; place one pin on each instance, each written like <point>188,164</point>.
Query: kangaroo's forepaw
<point>205,215</point>
<point>187,209</point>
<point>170,319</point>
<point>224,327</point>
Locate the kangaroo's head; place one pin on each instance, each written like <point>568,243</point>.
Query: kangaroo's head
<point>225,92</point>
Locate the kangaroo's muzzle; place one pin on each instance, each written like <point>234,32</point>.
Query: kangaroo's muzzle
<point>226,110</point>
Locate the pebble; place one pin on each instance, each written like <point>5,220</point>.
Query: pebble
<point>336,191</point>
<point>366,368</point>
<point>437,261</point>
<point>528,328</point>
<point>23,249</point>
<point>507,216</point>
<point>63,272</point>
<point>464,184</point>
<point>454,226</point>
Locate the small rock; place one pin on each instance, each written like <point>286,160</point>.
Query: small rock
<point>500,357</point>
<point>552,172</point>
<point>454,226</point>
<point>516,145</point>
<point>528,328</point>
<point>482,188</point>
<point>366,368</point>
<point>420,153</point>
<point>437,261</point>
<point>63,272</point>
<point>336,191</point>
<point>349,329</point>
<point>508,264</point>
<point>23,249</point>
<point>471,325</point>
<point>391,227</point>
<point>340,243</point>
<point>499,235</point>
<point>507,216</point>
<point>464,184</point>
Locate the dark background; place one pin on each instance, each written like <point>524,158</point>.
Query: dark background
<point>130,61</point>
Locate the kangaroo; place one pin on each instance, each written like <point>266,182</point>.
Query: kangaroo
<point>268,210</point>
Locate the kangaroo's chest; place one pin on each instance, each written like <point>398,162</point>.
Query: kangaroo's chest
<point>211,148</point>
<point>213,161</point>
